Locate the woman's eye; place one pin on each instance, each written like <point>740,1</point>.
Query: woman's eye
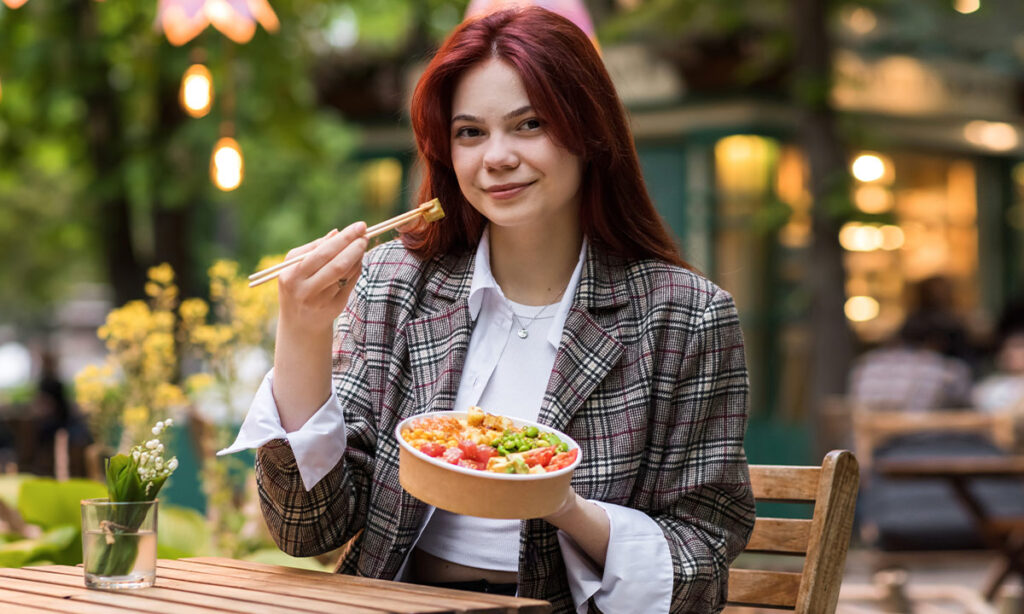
<point>467,132</point>
<point>531,124</point>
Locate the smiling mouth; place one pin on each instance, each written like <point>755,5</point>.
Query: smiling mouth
<point>507,190</point>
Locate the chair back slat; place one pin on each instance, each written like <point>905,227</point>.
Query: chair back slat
<point>781,535</point>
<point>823,539</point>
<point>784,483</point>
<point>763,588</point>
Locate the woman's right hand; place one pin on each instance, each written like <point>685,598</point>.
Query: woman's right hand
<point>312,294</point>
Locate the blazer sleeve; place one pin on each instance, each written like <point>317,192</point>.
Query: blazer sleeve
<point>308,523</point>
<point>702,497</point>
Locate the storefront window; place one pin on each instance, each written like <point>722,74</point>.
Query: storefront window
<point>929,207</point>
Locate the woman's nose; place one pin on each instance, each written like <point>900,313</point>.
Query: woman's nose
<point>500,153</point>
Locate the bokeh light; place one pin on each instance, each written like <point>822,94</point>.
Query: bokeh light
<point>868,167</point>
<point>226,165</point>
<point>861,308</point>
<point>197,90</point>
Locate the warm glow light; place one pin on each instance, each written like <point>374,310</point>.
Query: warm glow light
<point>14,3</point>
<point>196,93</point>
<point>860,20</point>
<point>861,308</point>
<point>226,165</point>
<point>892,237</point>
<point>966,6</point>
<point>183,20</point>
<point>873,198</point>
<point>868,167</point>
<point>997,136</point>
<point>742,163</point>
<point>857,237</point>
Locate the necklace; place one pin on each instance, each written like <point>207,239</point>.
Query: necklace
<point>523,331</point>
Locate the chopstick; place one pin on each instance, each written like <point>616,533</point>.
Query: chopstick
<point>430,210</point>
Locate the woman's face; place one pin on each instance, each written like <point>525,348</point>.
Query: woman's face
<point>507,164</point>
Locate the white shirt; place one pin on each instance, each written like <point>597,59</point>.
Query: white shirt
<point>638,564</point>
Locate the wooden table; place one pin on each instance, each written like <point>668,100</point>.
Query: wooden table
<point>1005,535</point>
<point>215,585</point>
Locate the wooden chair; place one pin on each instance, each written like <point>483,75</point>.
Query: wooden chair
<point>822,539</point>
<point>873,427</point>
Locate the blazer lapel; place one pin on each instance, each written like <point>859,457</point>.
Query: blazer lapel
<point>438,340</point>
<point>589,348</point>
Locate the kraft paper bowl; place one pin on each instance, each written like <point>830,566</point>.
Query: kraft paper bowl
<point>482,493</point>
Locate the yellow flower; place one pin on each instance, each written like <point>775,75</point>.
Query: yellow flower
<point>135,416</point>
<point>162,274</point>
<point>168,395</point>
<point>198,382</point>
<point>193,310</point>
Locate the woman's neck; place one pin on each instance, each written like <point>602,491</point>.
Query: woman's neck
<point>534,267</point>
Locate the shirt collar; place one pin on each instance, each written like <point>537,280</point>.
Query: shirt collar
<point>483,281</point>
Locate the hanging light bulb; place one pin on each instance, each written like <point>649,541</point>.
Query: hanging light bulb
<point>183,20</point>
<point>226,165</point>
<point>14,3</point>
<point>196,93</point>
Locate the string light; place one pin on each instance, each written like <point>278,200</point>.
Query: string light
<point>226,165</point>
<point>967,6</point>
<point>997,136</point>
<point>868,167</point>
<point>196,93</point>
<point>861,308</point>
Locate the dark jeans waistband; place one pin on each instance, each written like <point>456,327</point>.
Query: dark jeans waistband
<point>478,586</point>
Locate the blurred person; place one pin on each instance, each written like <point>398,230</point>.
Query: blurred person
<point>911,372</point>
<point>52,412</point>
<point>932,299</point>
<point>1003,389</point>
<point>549,231</point>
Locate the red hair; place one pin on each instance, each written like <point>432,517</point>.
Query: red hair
<point>572,93</point>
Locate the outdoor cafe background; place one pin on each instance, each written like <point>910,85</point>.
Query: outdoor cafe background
<point>929,111</point>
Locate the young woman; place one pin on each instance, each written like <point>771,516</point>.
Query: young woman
<point>550,291</point>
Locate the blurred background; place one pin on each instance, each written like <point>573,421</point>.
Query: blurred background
<point>851,171</point>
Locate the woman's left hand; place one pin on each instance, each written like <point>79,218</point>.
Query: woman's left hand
<point>586,522</point>
<point>571,502</point>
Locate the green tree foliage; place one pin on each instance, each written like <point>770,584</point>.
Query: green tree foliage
<point>102,174</point>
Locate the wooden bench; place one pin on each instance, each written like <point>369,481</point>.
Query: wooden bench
<point>822,540</point>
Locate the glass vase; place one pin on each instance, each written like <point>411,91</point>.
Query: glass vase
<point>119,543</point>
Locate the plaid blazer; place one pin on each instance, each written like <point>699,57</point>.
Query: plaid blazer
<point>649,378</point>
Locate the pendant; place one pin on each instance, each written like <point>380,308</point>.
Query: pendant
<point>522,333</point>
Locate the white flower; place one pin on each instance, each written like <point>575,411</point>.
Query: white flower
<point>152,443</point>
<point>168,422</point>
<point>172,464</point>
<point>135,456</point>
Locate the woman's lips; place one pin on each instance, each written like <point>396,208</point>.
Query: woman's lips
<point>507,190</point>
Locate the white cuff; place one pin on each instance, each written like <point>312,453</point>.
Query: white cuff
<point>637,569</point>
<point>318,445</point>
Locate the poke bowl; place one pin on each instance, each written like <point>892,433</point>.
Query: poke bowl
<point>479,464</point>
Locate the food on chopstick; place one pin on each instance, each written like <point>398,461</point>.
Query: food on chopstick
<point>487,442</point>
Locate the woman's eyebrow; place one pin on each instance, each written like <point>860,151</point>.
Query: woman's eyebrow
<point>511,114</point>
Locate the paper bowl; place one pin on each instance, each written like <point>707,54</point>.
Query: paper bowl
<point>482,493</point>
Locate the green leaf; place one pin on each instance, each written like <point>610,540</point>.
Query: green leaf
<point>181,532</point>
<point>123,483</point>
<point>50,504</point>
<point>47,546</point>
<point>9,486</point>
